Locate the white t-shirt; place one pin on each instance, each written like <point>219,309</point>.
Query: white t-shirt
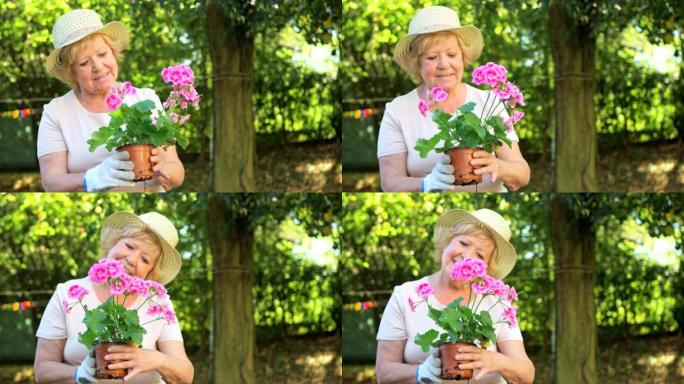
<point>400,323</point>
<point>56,324</point>
<point>402,125</point>
<point>67,126</point>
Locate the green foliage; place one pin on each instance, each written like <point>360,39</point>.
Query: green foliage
<point>132,125</point>
<point>460,323</point>
<point>463,130</point>
<point>111,323</point>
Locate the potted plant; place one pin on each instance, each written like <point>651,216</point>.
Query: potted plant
<point>139,127</point>
<point>111,322</point>
<point>464,132</point>
<point>461,324</point>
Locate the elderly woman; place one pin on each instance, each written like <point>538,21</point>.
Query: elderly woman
<point>483,235</point>
<point>145,247</point>
<point>434,53</point>
<point>85,58</point>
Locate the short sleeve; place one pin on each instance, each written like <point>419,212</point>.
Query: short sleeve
<point>53,323</point>
<point>393,323</point>
<point>50,136</point>
<point>390,138</point>
<point>170,332</point>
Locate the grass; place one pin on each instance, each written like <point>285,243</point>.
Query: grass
<point>630,360</point>
<point>293,168</point>
<point>643,168</point>
<point>296,360</point>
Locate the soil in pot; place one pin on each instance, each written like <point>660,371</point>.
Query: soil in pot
<point>101,370</point>
<point>463,171</point>
<point>450,370</point>
<point>140,156</point>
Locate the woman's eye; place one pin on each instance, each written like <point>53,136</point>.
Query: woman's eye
<point>102,54</point>
<point>130,246</point>
<point>83,64</point>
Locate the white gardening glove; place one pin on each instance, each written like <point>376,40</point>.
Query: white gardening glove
<point>431,369</point>
<point>442,176</point>
<point>114,171</point>
<point>86,371</point>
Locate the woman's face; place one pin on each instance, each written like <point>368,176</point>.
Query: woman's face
<point>462,246</point>
<point>138,257</point>
<point>442,63</point>
<point>95,67</point>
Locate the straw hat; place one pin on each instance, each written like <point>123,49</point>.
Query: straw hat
<point>437,19</point>
<point>504,259</point>
<point>78,24</point>
<point>163,228</point>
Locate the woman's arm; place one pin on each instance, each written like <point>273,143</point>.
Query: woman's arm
<point>54,175</point>
<point>49,367</point>
<point>510,361</point>
<point>389,363</point>
<point>394,176</point>
<point>508,165</point>
<point>168,167</point>
<point>170,361</point>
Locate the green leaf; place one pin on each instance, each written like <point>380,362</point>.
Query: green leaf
<point>467,107</point>
<point>425,340</point>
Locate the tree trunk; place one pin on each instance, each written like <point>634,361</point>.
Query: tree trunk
<point>231,243</point>
<point>232,58</point>
<point>574,250</point>
<point>573,50</point>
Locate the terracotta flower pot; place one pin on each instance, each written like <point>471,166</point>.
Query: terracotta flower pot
<point>101,371</point>
<point>450,370</point>
<point>463,171</point>
<point>140,156</point>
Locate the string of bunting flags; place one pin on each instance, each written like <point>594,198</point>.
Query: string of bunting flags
<point>17,306</point>
<point>17,113</point>
<point>360,306</point>
<point>360,113</point>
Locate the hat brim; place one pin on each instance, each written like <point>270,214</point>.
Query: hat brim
<point>504,260</point>
<point>170,263</point>
<point>471,41</point>
<point>116,30</point>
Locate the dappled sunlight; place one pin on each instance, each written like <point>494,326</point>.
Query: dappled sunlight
<point>358,373</point>
<point>296,168</point>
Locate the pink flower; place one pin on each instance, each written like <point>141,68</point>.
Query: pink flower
<point>113,101</point>
<point>129,89</point>
<point>65,306</point>
<point>166,74</point>
<point>511,295</point>
<point>184,119</point>
<point>482,285</point>
<point>491,74</point>
<point>169,314</point>
<point>516,95</point>
<point>517,116</point>
<point>154,309</point>
<point>424,290</point>
<point>498,287</point>
<point>502,94</point>
<point>98,273</point>
<point>467,269</point>
<point>438,94</point>
<point>423,107</point>
<point>137,286</point>
<point>412,305</point>
<point>120,286</point>
<point>509,314</point>
<point>114,268</point>
<point>157,288</point>
<point>77,292</point>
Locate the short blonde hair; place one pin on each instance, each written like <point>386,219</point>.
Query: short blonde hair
<point>110,236</point>
<point>67,56</point>
<point>421,43</point>
<point>443,237</point>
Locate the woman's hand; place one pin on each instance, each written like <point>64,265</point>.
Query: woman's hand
<point>488,164</point>
<point>165,164</point>
<point>137,360</point>
<point>482,359</point>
